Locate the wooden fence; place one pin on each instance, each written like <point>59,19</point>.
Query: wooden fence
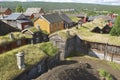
<point>107,49</point>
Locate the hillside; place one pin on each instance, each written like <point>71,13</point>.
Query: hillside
<point>52,5</point>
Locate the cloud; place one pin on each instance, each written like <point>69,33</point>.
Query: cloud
<point>111,1</point>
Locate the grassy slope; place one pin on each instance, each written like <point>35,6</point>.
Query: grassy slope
<point>33,54</point>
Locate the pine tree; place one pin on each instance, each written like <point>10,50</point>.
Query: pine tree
<point>115,31</point>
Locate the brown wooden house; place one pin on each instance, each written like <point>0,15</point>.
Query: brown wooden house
<point>49,23</point>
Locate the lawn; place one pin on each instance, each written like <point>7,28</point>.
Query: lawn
<point>33,54</point>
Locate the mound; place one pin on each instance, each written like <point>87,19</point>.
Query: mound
<point>77,71</point>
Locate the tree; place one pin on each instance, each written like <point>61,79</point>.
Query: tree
<point>19,8</point>
<point>115,31</point>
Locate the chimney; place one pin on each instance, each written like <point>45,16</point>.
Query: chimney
<point>11,36</point>
<point>38,27</point>
<point>20,60</point>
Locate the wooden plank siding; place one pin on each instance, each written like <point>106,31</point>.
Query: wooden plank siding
<point>43,24</point>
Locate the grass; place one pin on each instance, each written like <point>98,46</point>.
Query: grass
<point>6,39</point>
<point>33,54</point>
<point>114,65</point>
<point>105,74</point>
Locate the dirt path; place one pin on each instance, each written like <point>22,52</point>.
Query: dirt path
<point>99,64</point>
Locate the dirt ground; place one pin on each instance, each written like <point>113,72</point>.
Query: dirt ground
<point>70,66</point>
<point>99,64</point>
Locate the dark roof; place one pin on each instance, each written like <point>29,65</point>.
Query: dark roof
<point>14,16</point>
<point>3,10</point>
<point>5,28</point>
<point>66,18</point>
<point>52,18</point>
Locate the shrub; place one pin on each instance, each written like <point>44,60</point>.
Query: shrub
<point>116,28</point>
<point>105,74</point>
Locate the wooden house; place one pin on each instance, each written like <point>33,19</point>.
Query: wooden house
<point>67,21</point>
<point>4,12</point>
<point>34,12</point>
<point>5,28</point>
<point>18,20</point>
<point>49,23</point>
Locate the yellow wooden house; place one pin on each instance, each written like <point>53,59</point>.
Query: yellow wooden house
<point>49,23</point>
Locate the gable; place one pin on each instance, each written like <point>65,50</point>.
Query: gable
<point>21,16</point>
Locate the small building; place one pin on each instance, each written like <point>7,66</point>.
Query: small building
<point>34,12</point>
<point>49,23</point>
<point>83,17</point>
<point>18,20</point>
<point>35,36</point>
<point>4,12</point>
<point>67,21</point>
<point>5,28</point>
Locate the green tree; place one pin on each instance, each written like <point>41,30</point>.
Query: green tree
<point>19,8</point>
<point>116,28</point>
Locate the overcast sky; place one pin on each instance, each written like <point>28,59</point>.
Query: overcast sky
<point>111,2</point>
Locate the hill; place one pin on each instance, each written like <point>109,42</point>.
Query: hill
<point>54,5</point>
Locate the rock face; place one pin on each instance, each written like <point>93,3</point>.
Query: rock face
<point>77,71</point>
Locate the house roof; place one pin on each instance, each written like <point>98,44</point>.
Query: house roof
<point>3,10</point>
<point>22,21</point>
<point>14,16</point>
<point>66,18</point>
<point>28,14</point>
<point>100,16</point>
<point>52,18</point>
<point>5,28</point>
<point>33,10</point>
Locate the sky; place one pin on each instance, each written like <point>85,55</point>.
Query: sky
<point>110,2</point>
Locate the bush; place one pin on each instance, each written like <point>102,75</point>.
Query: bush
<point>105,74</point>
<point>116,28</point>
